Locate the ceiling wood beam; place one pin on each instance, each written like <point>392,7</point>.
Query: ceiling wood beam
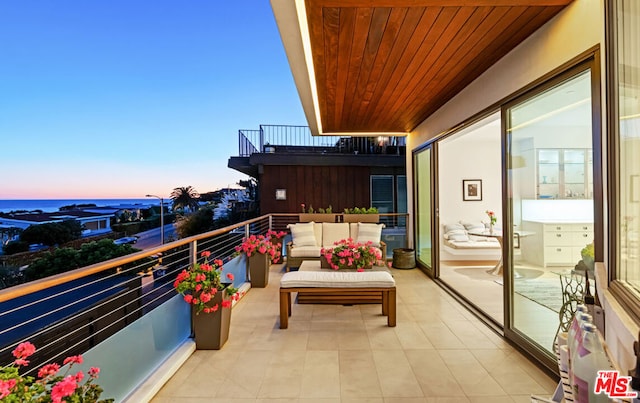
<point>385,66</point>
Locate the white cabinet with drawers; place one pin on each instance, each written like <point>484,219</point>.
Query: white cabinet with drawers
<point>555,244</point>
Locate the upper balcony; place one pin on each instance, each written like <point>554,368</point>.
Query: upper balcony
<point>294,145</point>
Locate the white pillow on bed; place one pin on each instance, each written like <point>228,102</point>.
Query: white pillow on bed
<point>473,225</point>
<point>454,232</point>
<point>303,234</point>
<point>454,227</point>
<point>458,237</point>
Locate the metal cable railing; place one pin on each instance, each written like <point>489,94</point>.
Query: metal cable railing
<point>85,309</point>
<point>282,138</point>
<point>88,305</point>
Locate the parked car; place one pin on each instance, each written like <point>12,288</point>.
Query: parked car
<point>125,240</point>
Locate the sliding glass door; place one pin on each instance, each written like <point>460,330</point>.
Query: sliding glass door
<point>423,208</point>
<point>549,144</point>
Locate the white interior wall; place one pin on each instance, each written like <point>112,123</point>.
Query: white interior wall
<point>560,40</point>
<point>472,156</point>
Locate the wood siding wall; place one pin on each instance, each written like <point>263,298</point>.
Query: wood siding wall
<point>318,186</point>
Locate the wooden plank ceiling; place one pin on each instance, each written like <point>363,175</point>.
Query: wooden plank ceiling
<point>385,66</point>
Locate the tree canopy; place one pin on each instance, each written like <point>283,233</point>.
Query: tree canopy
<point>185,198</point>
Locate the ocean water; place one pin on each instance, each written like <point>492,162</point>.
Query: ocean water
<point>53,205</point>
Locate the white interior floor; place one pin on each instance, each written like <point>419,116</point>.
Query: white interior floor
<point>472,280</point>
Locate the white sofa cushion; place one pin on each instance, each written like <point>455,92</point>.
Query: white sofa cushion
<point>369,233</point>
<point>337,279</point>
<point>303,234</point>
<point>334,232</point>
<point>306,251</point>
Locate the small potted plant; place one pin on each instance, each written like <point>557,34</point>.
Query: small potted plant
<point>260,252</point>
<point>50,385</point>
<point>348,254</point>
<point>321,215</point>
<point>492,220</point>
<point>201,286</point>
<point>588,256</point>
<point>361,214</point>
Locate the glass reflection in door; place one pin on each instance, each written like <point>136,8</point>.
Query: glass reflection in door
<point>422,165</point>
<point>550,159</point>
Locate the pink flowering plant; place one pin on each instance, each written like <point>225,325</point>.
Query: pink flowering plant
<point>276,238</point>
<point>199,284</point>
<point>260,244</point>
<point>50,385</point>
<point>348,254</point>
<point>272,234</point>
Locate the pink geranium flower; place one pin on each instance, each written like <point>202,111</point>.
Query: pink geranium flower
<point>64,388</point>
<point>347,253</point>
<point>200,282</point>
<point>50,386</point>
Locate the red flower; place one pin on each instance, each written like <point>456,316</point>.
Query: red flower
<point>48,370</point>
<point>93,372</point>
<point>79,376</point>
<point>206,253</point>
<point>6,386</point>
<point>74,359</point>
<point>206,267</point>
<point>24,350</point>
<point>230,276</point>
<point>64,388</point>
<point>226,303</point>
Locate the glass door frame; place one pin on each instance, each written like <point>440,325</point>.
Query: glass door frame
<point>589,60</point>
<point>432,270</point>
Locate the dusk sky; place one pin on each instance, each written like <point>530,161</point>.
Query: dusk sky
<point>121,98</point>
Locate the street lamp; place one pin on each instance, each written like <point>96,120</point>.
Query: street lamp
<point>161,217</point>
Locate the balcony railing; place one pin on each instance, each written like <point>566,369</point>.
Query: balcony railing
<point>276,139</point>
<point>125,309</point>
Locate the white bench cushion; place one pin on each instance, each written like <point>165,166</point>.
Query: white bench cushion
<point>337,279</point>
<point>305,251</point>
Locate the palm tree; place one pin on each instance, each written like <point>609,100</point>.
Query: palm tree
<point>185,197</point>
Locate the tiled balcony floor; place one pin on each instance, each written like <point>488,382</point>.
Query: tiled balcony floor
<point>331,353</point>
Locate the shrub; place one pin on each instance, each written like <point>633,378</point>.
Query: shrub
<point>52,233</point>
<point>15,247</point>
<point>197,223</point>
<point>66,259</point>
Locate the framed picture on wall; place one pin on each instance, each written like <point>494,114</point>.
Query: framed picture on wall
<point>472,189</point>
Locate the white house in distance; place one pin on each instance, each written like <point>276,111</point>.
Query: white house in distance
<point>92,223</point>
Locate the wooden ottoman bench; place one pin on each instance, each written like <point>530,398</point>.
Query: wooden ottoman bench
<point>338,282</point>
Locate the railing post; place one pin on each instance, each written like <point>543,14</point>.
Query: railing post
<point>261,140</point>
<point>193,253</point>
<point>270,222</point>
